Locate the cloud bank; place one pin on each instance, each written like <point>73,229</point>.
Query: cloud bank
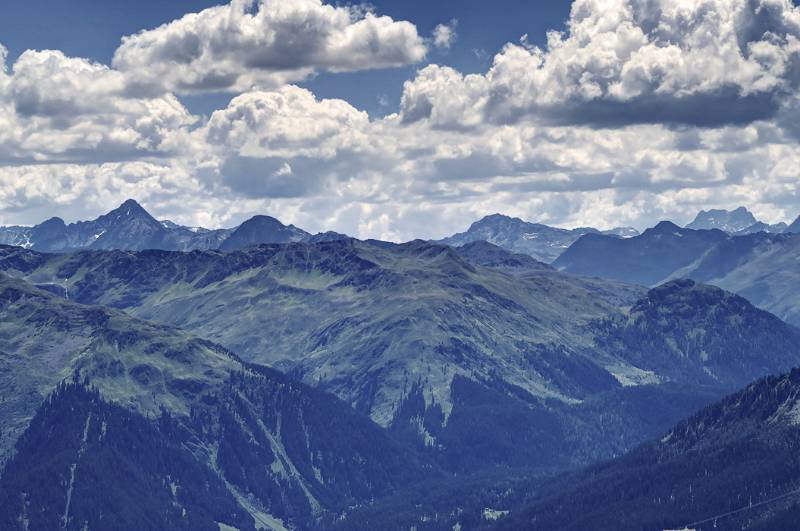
<point>246,45</point>
<point>639,110</point>
<point>697,62</point>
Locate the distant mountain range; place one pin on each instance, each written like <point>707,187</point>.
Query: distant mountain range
<point>547,243</point>
<point>647,259</point>
<point>534,239</point>
<point>131,227</point>
<point>421,384</point>
<point>762,267</point>
<point>739,221</point>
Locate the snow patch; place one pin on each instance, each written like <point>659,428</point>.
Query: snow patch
<point>263,519</point>
<point>430,440</point>
<point>630,376</point>
<point>491,515</point>
<point>72,467</point>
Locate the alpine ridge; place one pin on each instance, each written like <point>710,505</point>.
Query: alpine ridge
<point>130,227</point>
<point>428,340</point>
<point>760,266</point>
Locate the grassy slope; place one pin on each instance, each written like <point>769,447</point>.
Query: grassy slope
<point>144,366</point>
<point>348,314</point>
<point>293,451</point>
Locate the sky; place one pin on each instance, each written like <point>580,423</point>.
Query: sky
<point>400,120</point>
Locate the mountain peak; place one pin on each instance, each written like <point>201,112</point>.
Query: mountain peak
<point>495,219</point>
<point>126,212</point>
<point>665,226</point>
<point>52,222</point>
<point>131,203</point>
<point>677,286</point>
<point>260,219</point>
<point>727,220</point>
<point>131,207</point>
<point>683,297</point>
<point>539,241</point>
<point>261,229</point>
<point>498,216</point>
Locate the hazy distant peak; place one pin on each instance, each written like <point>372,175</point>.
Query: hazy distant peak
<point>726,220</point>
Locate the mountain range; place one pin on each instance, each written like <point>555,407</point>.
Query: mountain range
<point>739,221</point>
<point>131,227</point>
<point>546,243</point>
<point>761,267</point>
<point>262,377</point>
<point>535,239</point>
<point>426,342</point>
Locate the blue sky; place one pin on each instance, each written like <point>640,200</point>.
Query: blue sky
<point>336,117</point>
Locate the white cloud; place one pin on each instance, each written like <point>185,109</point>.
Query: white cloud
<point>55,107</point>
<point>444,35</point>
<point>446,97</point>
<point>244,45</point>
<point>288,143</point>
<point>287,122</point>
<point>702,62</point>
<point>522,138</point>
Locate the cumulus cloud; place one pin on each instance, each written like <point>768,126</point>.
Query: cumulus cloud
<point>698,62</point>
<point>246,45</point>
<point>444,35</point>
<point>286,122</point>
<point>289,143</point>
<point>59,108</point>
<point>640,110</point>
<point>445,97</point>
<point>291,147</point>
<point>322,164</point>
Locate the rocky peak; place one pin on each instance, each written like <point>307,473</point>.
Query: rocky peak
<point>726,220</point>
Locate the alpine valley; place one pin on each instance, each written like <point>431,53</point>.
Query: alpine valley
<point>514,376</point>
